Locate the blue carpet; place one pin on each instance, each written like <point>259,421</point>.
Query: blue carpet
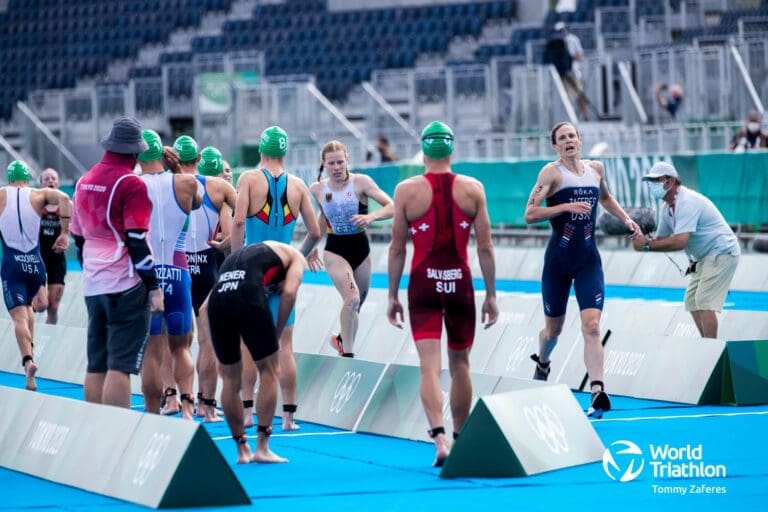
<point>338,471</point>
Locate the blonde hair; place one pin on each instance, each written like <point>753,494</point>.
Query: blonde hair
<point>329,147</point>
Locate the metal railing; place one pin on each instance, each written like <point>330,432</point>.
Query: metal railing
<point>46,148</point>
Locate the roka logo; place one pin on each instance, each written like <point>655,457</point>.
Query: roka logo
<point>344,390</point>
<point>546,424</point>
<point>623,461</point>
<point>151,457</point>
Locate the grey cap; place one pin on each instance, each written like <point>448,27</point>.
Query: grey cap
<point>660,169</point>
<point>125,137</point>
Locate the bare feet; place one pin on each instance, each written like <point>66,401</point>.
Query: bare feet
<point>244,455</point>
<point>210,414</point>
<point>187,410</point>
<point>248,417</point>
<point>267,456</point>
<point>442,449</point>
<point>288,423</point>
<point>171,406</point>
<point>30,370</point>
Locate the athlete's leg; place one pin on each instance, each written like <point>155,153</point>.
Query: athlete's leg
<point>362,276</point>
<point>287,377</point>
<point>183,371</point>
<point>172,405</point>
<point>206,369</point>
<point>20,315</point>
<point>461,387</point>
<point>55,292</point>
<point>594,354</point>
<point>248,385</point>
<point>265,407</point>
<point>151,383</point>
<point>233,407</point>
<point>344,280</point>
<point>431,395</point>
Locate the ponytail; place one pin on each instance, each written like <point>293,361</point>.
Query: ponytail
<point>320,172</point>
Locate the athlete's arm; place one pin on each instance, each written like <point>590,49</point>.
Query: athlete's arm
<point>609,202</point>
<point>371,189</point>
<point>396,260</point>
<point>293,275</point>
<point>314,261</point>
<point>485,256</point>
<point>310,222</point>
<point>241,211</point>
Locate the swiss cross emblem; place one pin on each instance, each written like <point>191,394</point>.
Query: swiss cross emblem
<point>424,226</point>
<point>464,224</point>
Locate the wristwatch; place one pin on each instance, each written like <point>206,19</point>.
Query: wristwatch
<point>647,246</point>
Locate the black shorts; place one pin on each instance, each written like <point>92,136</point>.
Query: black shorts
<point>242,312</point>
<point>118,328</point>
<point>55,266</point>
<point>204,269</point>
<point>353,248</point>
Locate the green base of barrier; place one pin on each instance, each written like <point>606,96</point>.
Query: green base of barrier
<point>146,459</point>
<point>522,433</point>
<point>745,373</point>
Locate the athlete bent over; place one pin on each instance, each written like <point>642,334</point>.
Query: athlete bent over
<point>237,308</point>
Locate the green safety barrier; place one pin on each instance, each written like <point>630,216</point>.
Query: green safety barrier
<point>745,373</point>
<point>522,433</point>
<point>736,182</point>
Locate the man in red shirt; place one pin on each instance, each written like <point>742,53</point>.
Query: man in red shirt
<point>438,209</point>
<point>110,224</point>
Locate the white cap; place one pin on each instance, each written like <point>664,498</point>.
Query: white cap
<point>660,169</point>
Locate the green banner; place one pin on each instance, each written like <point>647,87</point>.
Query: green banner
<point>736,182</point>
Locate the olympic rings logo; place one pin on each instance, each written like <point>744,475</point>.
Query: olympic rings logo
<point>344,391</point>
<point>520,348</point>
<point>546,424</point>
<point>151,457</point>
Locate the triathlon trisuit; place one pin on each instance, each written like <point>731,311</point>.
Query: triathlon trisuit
<point>22,271</point>
<point>201,257</point>
<point>440,284</point>
<point>167,236</point>
<point>55,262</point>
<point>571,254</point>
<point>238,305</point>
<point>274,221</point>
<point>345,238</point>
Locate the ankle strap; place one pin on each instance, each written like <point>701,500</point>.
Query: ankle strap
<point>266,429</point>
<point>241,439</point>
<point>597,383</point>
<point>290,407</point>
<point>25,360</point>
<point>436,432</point>
<point>170,392</point>
<point>247,404</point>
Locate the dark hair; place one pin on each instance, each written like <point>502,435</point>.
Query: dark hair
<point>333,145</point>
<point>553,133</point>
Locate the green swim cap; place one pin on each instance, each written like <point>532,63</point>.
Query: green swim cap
<point>437,140</point>
<point>155,151</point>
<point>274,142</point>
<point>18,171</point>
<point>211,162</point>
<point>186,147</point>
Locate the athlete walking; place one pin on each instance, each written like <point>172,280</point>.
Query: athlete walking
<point>438,209</point>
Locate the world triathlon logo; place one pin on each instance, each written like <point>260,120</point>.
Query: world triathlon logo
<point>623,461</point>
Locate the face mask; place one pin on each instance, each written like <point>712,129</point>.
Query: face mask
<point>657,189</point>
<point>753,127</point>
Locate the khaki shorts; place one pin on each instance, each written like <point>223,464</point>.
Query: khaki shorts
<point>709,284</point>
